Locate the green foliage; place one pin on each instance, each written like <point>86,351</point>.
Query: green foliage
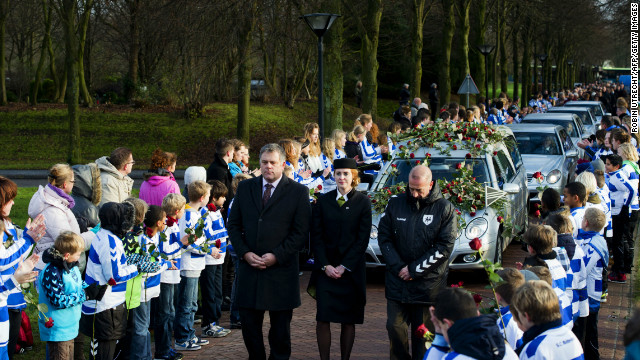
<point>19,214</point>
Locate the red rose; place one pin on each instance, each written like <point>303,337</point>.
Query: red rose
<point>478,146</point>
<point>475,244</point>
<point>538,214</point>
<point>459,166</point>
<point>455,147</point>
<point>458,212</point>
<point>49,323</point>
<point>417,162</point>
<point>478,197</point>
<point>473,213</point>
<point>477,298</point>
<point>428,155</point>
<point>412,155</point>
<point>394,165</point>
<point>459,199</point>
<point>421,331</point>
<point>444,191</point>
<point>408,142</point>
<point>218,243</point>
<point>455,286</point>
<point>374,201</point>
<point>389,192</point>
<point>148,231</point>
<point>460,283</point>
<point>112,282</point>
<point>171,221</point>
<point>499,218</point>
<point>211,207</point>
<point>319,187</point>
<point>399,188</point>
<point>468,156</point>
<point>495,153</point>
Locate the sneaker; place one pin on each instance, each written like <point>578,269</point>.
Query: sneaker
<point>237,325</point>
<point>188,346</point>
<point>617,278</point>
<point>199,341</point>
<point>197,319</point>
<point>172,355</point>
<point>603,297</point>
<point>214,331</point>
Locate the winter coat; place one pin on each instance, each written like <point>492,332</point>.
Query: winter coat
<point>156,186</point>
<point>58,218</point>
<point>60,287</point>
<point>419,234</point>
<point>87,192</point>
<point>115,186</point>
<point>219,170</point>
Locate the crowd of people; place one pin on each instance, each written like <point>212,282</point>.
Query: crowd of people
<point>111,266</point>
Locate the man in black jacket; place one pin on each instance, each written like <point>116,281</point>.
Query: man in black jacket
<point>268,225</point>
<point>416,235</point>
<point>219,168</point>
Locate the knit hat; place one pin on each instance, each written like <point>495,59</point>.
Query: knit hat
<point>598,165</point>
<point>529,275</point>
<point>118,218</point>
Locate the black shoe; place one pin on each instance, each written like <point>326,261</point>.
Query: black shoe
<point>237,325</point>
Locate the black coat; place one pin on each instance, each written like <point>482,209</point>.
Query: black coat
<point>420,238</point>
<point>219,170</point>
<point>340,236</point>
<point>281,228</point>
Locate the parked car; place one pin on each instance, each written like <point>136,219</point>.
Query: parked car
<point>571,123</point>
<point>546,149</point>
<point>504,171</point>
<point>595,105</point>
<point>586,114</point>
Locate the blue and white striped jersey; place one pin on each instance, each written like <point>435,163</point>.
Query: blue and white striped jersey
<point>171,247</point>
<point>596,259</point>
<point>606,204</point>
<point>620,191</point>
<point>9,260</point>
<point>6,287</point>
<point>576,219</point>
<point>555,343</point>
<point>215,230</point>
<point>632,175</point>
<point>509,328</point>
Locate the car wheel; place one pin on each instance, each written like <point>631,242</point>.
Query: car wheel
<point>497,257</point>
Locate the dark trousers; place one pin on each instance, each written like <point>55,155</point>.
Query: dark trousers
<point>228,274</point>
<point>211,291</point>
<point>15,321</point>
<point>591,339</point>
<point>579,328</point>
<point>629,245</point>
<point>279,333</point>
<point>619,241</point>
<point>399,317</point>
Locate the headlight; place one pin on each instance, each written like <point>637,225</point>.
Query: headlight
<point>476,228</point>
<point>554,176</point>
<point>374,232</point>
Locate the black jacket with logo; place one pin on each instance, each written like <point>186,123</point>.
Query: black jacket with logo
<point>420,236</point>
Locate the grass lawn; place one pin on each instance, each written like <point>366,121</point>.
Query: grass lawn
<point>37,138</point>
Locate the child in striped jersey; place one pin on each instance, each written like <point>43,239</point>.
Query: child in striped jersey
<point>105,320</point>
<point>191,266</point>
<point>148,241</point>
<point>170,245</point>
<point>211,277</point>
<point>512,279</point>
<point>576,272</point>
<point>460,333</point>
<point>575,196</point>
<point>596,260</point>
<point>629,155</point>
<point>621,193</point>
<point>535,309</point>
<point>328,151</point>
<point>540,240</point>
<point>564,302</point>
<point>339,140</point>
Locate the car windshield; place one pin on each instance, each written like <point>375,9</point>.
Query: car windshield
<point>567,125</point>
<point>538,143</point>
<point>441,168</point>
<point>595,108</point>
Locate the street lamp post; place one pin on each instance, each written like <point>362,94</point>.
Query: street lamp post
<point>543,59</point>
<point>319,23</point>
<point>570,63</point>
<point>485,50</point>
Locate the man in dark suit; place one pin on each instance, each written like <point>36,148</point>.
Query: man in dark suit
<point>268,225</point>
<point>219,168</point>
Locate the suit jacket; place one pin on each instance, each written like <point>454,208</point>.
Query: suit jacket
<point>281,228</point>
<point>340,235</point>
<point>219,170</point>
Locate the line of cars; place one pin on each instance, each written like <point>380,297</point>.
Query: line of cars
<point>544,143</point>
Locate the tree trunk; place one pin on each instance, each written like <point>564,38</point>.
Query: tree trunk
<point>4,10</point>
<point>333,78</point>
<point>369,56</point>
<point>526,64</point>
<point>134,48</point>
<point>504,70</point>
<point>418,17</point>
<point>466,5</point>
<point>447,37</point>
<point>479,31</point>
<point>68,11</point>
<point>82,33</point>
<point>516,65</point>
<point>244,71</point>
<point>46,14</point>
<point>63,87</point>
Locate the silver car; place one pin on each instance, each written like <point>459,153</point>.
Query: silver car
<point>570,122</point>
<point>547,149</point>
<point>501,171</point>
<point>595,105</point>
<point>586,115</point>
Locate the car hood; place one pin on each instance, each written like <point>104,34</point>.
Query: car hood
<point>542,163</point>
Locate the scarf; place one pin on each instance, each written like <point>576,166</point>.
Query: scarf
<point>536,330</point>
<point>63,195</point>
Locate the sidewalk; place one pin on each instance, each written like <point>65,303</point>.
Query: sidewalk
<point>371,337</point>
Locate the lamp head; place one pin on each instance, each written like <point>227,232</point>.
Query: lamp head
<point>319,23</point>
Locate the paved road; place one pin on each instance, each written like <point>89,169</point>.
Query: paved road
<point>34,178</point>
<point>371,337</point>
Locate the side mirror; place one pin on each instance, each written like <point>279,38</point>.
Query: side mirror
<point>572,153</point>
<point>363,187</point>
<point>511,188</point>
